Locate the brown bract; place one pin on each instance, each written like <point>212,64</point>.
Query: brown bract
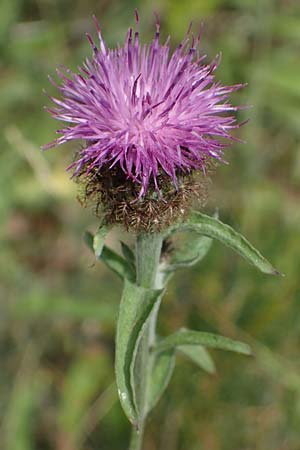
<point>115,198</point>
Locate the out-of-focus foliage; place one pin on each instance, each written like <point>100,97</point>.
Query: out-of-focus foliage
<point>58,308</point>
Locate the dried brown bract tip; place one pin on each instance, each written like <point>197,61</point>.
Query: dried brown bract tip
<point>115,198</point>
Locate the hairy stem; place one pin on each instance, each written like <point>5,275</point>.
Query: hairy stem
<point>148,250</point>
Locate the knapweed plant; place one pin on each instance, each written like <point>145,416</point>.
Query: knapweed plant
<point>153,124</point>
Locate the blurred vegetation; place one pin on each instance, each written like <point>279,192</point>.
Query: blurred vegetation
<point>58,308</point>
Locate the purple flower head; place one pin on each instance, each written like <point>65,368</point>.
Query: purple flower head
<point>144,109</point>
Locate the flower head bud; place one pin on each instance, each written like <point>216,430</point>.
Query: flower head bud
<point>150,120</point>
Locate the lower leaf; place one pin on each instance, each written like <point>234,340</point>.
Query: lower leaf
<point>162,370</point>
<point>136,305</point>
<point>190,338</point>
<point>111,259</point>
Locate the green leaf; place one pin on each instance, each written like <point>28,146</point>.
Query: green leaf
<point>215,229</point>
<point>129,257</point>
<point>117,264</point>
<point>111,259</point>
<point>194,252</point>
<point>162,370</point>
<point>136,305</point>
<point>190,337</point>
<point>200,356</point>
<point>128,253</point>
<point>99,239</point>
<point>194,249</point>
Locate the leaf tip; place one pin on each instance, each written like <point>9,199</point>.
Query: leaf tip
<point>247,351</point>
<point>277,273</point>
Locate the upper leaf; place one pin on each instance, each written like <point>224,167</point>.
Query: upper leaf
<point>215,229</point>
<point>191,251</point>
<point>99,239</point>
<point>111,259</point>
<point>191,254</point>
<point>128,253</point>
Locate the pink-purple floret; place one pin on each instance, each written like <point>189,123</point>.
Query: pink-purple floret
<point>144,109</point>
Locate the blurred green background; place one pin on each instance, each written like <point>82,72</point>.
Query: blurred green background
<point>58,308</point>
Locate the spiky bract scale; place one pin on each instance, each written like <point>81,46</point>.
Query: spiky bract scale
<point>114,198</point>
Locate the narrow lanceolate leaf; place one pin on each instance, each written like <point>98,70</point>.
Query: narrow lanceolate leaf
<point>215,229</point>
<point>200,356</point>
<point>128,253</point>
<point>111,259</point>
<point>99,239</point>
<point>190,337</point>
<point>129,256</point>
<point>162,370</point>
<point>136,305</point>
<point>117,264</point>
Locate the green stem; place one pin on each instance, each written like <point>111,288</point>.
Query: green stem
<point>148,250</point>
<point>136,440</point>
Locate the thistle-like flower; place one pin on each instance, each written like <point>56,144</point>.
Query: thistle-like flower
<point>148,118</point>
